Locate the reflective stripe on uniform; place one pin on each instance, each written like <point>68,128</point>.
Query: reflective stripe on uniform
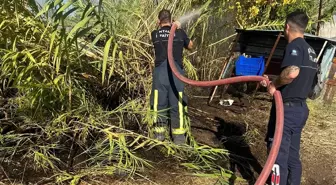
<point>181,129</point>
<point>155,106</point>
<point>178,131</point>
<point>180,106</point>
<point>159,129</point>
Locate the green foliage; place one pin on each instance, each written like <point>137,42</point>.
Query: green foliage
<point>276,11</point>
<point>59,120</point>
<point>82,72</point>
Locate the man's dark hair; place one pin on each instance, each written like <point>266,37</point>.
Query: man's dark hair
<point>165,16</point>
<point>298,21</point>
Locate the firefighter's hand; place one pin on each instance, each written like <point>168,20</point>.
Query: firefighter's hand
<point>178,24</point>
<point>271,89</point>
<point>264,83</point>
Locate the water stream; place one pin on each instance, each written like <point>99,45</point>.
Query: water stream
<point>189,16</point>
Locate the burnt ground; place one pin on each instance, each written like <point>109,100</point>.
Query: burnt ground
<point>241,129</point>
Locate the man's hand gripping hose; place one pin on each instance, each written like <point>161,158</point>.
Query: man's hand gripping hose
<point>277,96</point>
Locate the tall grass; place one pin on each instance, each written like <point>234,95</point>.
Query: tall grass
<point>76,79</point>
<point>78,95</point>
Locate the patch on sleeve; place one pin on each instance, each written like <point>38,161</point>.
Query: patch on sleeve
<point>294,52</point>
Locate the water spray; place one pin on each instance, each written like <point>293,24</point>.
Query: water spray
<point>190,16</point>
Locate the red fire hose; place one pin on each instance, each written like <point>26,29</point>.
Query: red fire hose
<point>277,96</point>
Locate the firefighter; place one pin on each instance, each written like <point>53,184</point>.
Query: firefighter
<point>299,68</point>
<point>167,98</point>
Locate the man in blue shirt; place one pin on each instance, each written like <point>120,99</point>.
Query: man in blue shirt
<point>299,68</point>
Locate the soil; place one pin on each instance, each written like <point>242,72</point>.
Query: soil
<point>241,129</point>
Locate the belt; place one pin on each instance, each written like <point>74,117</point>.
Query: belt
<point>294,104</point>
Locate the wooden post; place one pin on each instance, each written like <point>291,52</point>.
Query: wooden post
<point>322,50</point>
<point>269,58</point>
<point>330,92</point>
<point>225,65</point>
<point>332,73</point>
<point>319,19</point>
<point>331,85</point>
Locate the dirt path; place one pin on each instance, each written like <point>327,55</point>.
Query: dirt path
<point>319,146</point>
<point>318,140</point>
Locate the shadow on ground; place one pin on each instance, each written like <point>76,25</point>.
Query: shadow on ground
<point>231,135</point>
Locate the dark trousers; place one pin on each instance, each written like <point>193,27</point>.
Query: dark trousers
<point>168,99</point>
<point>296,115</point>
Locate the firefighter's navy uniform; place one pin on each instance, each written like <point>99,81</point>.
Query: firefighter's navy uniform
<point>167,97</point>
<point>298,53</point>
